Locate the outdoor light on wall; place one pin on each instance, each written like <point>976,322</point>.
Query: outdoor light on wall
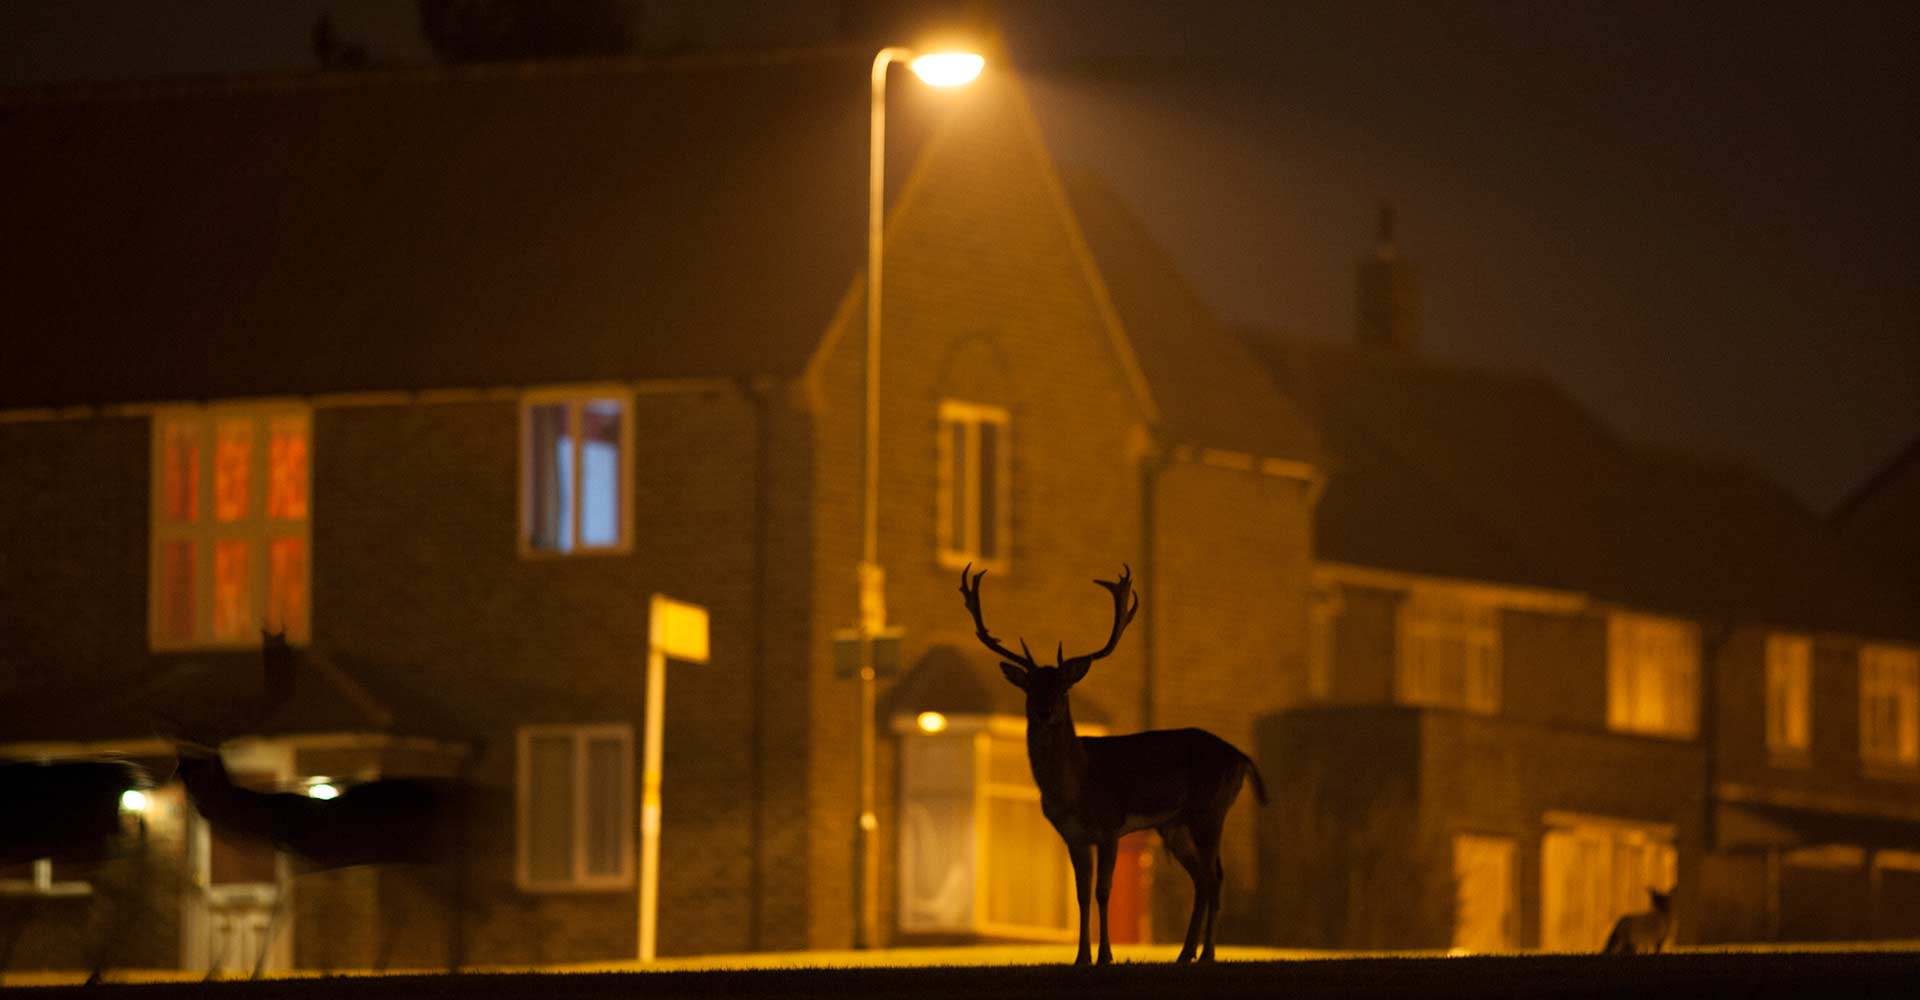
<point>133,800</point>
<point>321,788</point>
<point>931,722</point>
<point>948,69</point>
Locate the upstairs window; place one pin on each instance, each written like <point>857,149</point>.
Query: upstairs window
<point>1653,675</point>
<point>576,818</point>
<point>576,462</point>
<point>1789,697</point>
<point>230,498</point>
<point>973,486</point>
<point>1449,650</point>
<point>1890,706</point>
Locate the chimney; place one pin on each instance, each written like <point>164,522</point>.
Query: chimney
<point>1389,294</point>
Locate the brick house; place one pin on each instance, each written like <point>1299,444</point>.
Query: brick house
<point>447,372</point>
<point>1550,668</point>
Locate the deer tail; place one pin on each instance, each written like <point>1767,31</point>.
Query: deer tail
<point>1259,786</point>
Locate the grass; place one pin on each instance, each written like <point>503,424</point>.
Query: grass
<point>932,974</point>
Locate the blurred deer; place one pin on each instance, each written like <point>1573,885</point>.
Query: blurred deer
<point>70,814</point>
<point>1096,789</point>
<point>1645,932</point>
<point>418,822</point>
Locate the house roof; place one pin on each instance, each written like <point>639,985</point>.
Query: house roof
<point>430,228</point>
<point>1206,381</point>
<point>1458,473</point>
<point>1881,519</point>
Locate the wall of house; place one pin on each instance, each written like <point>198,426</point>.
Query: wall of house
<point>418,579</point>
<point>1365,644</point>
<point>73,571</point>
<point>986,301</point>
<point>1832,771</point>
<point>1226,606</point>
<point>1494,776</point>
<point>1554,668</point>
<point>1357,854</point>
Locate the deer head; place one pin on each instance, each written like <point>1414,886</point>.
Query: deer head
<point>1046,687</point>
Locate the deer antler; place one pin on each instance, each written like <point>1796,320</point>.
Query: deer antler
<point>972,596</point>
<point>1123,611</point>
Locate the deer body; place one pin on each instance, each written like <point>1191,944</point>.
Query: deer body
<point>1096,789</point>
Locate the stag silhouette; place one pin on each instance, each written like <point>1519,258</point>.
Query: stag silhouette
<point>1096,789</point>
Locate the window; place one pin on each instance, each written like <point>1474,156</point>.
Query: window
<point>575,799</point>
<point>230,498</point>
<point>1789,696</point>
<point>976,853</point>
<point>1449,650</point>
<point>1890,706</point>
<point>1653,670</point>
<point>576,462</point>
<point>973,486</point>
<point>1485,915</point>
<point>1595,870</point>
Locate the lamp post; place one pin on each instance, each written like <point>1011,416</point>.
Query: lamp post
<point>938,69</point>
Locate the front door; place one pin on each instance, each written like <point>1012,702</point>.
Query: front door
<point>239,895</point>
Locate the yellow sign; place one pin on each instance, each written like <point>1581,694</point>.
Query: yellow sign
<point>678,629</point>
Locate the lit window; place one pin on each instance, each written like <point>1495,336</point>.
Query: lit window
<point>1653,671</point>
<point>575,807</point>
<point>574,472</point>
<point>1485,917</point>
<point>1449,650</point>
<point>1594,871</point>
<point>973,486</point>
<point>1789,696</point>
<point>976,853</point>
<point>1890,706</point>
<point>230,526</point>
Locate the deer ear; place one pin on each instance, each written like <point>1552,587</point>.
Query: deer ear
<point>1076,668</point>
<point>1015,676</point>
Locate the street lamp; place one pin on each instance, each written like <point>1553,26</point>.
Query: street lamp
<point>938,69</point>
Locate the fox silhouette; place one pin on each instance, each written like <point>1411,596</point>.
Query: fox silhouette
<point>1643,933</point>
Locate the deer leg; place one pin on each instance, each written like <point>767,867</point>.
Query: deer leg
<point>1109,848</point>
<point>1082,855</point>
<point>1180,844</point>
<point>1207,876</point>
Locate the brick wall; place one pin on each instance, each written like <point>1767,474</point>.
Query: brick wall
<point>73,566</point>
<point>1227,599</point>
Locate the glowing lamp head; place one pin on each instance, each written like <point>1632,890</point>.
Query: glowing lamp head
<point>133,800</point>
<point>931,722</point>
<point>323,790</point>
<point>948,69</point>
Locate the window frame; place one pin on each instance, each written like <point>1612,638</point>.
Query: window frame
<point>1510,913</point>
<point>43,884</point>
<point>1477,626</point>
<point>582,736</point>
<point>1789,699</point>
<point>575,398</point>
<point>970,416</point>
<point>256,528</point>
<point>1895,678</point>
<point>1620,710</point>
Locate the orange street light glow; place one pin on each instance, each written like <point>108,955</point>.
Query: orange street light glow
<point>322,790</point>
<point>948,69</point>
<point>931,722</point>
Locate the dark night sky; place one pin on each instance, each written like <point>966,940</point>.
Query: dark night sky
<point>1698,218</point>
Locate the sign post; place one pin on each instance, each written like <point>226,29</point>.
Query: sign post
<point>679,630</point>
